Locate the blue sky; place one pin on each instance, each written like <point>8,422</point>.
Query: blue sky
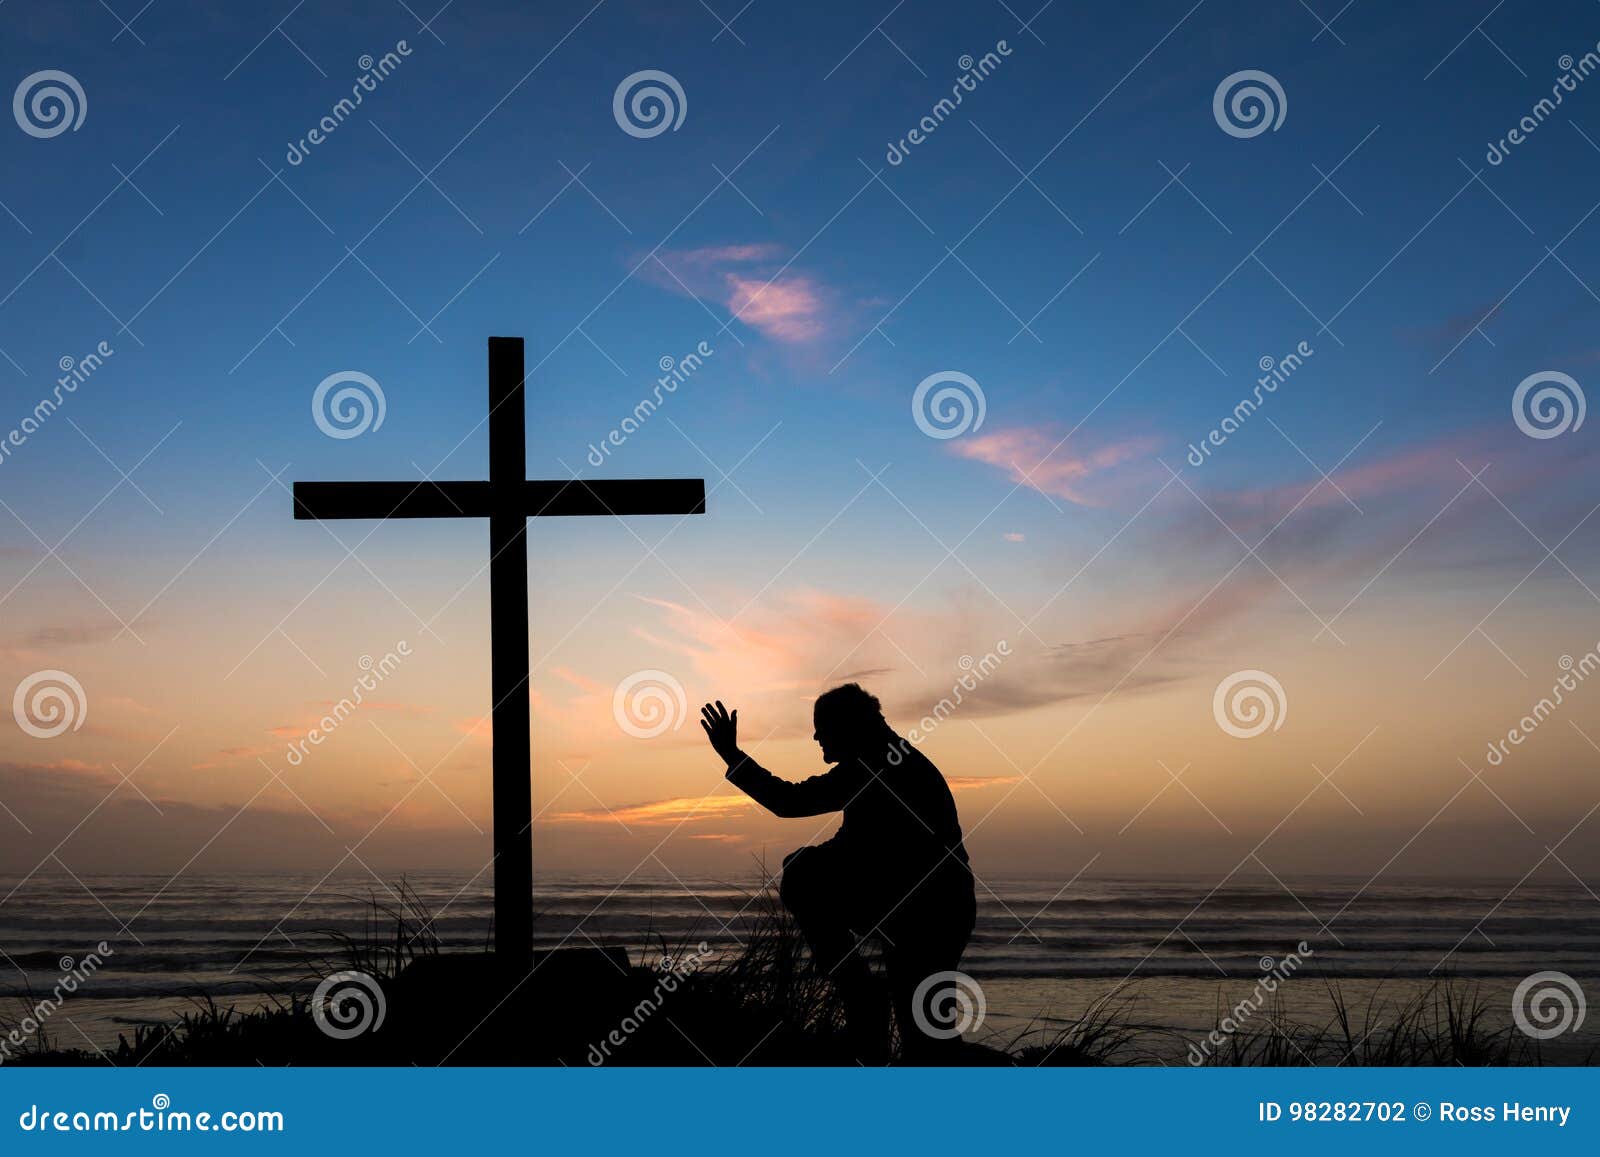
<point>829,283</point>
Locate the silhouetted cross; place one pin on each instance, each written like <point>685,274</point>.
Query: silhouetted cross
<point>508,499</point>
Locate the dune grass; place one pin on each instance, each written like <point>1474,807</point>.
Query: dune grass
<point>761,1004</point>
<point>1450,1022</point>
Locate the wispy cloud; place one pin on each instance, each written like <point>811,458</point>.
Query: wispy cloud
<point>786,305</point>
<point>658,813</point>
<point>1037,457</point>
<point>789,309</point>
<point>972,782</point>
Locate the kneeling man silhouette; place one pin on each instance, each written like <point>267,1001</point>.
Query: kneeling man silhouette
<point>896,870</point>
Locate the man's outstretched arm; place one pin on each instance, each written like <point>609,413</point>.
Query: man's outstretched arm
<point>816,796</point>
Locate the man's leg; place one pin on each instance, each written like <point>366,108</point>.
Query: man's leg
<point>928,943</point>
<point>818,895</point>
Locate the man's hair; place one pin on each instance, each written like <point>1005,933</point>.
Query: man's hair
<point>852,703</point>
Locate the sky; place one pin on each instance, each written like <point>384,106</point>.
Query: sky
<point>1077,406</point>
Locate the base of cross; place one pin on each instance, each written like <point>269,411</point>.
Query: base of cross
<point>474,1009</point>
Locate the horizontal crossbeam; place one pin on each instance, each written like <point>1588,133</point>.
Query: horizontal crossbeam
<point>531,499</point>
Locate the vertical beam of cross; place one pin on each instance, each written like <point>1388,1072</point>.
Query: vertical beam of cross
<point>509,673</point>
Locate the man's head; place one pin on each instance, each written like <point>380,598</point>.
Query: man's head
<point>848,720</point>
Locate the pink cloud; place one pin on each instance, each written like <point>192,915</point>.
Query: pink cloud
<point>727,254</point>
<point>1037,458</point>
<point>753,282</point>
<point>789,310</point>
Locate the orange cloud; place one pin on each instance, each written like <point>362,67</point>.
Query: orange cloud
<point>1036,458</point>
<point>229,753</point>
<point>658,813</point>
<point>969,782</point>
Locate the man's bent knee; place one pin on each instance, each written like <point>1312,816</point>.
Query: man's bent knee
<point>804,881</point>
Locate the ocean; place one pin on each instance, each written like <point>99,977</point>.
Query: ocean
<point>1176,953</point>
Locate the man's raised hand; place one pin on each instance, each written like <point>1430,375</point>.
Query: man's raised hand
<point>722,729</point>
